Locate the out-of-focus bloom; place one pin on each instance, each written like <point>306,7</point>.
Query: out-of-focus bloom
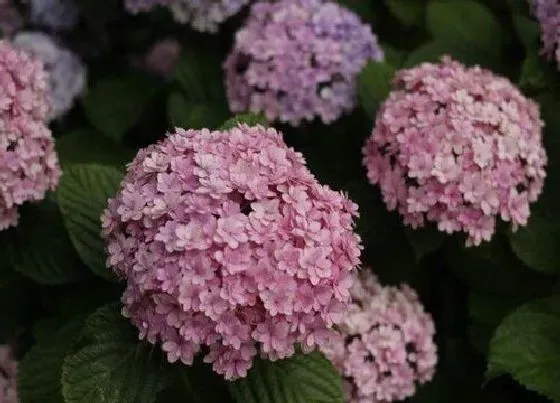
<point>59,15</point>
<point>548,15</point>
<point>163,56</point>
<point>458,146</point>
<point>227,240</point>
<point>297,60</point>
<point>8,374</point>
<point>66,72</point>
<point>28,163</point>
<point>386,345</point>
<point>10,18</point>
<point>203,15</point>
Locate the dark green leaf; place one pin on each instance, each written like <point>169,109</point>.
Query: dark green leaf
<point>40,371</point>
<point>425,240</point>
<point>249,119</point>
<point>374,84</point>
<point>302,378</point>
<point>199,75</point>
<point>192,115</point>
<point>463,21</point>
<point>112,366</point>
<point>114,105</point>
<point>536,73</point>
<point>526,345</point>
<point>407,12</point>
<point>528,31</point>
<point>41,249</point>
<point>82,195</point>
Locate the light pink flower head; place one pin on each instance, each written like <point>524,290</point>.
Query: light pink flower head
<point>227,240</point>
<point>547,13</point>
<point>458,146</point>
<point>28,163</point>
<point>8,374</point>
<point>386,345</point>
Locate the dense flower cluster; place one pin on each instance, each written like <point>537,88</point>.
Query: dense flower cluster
<point>56,14</point>
<point>298,59</point>
<point>386,344</point>
<point>10,18</point>
<point>28,163</point>
<point>458,146</point>
<point>548,15</point>
<point>66,72</point>
<point>203,15</point>
<point>162,57</point>
<point>8,373</point>
<point>227,240</point>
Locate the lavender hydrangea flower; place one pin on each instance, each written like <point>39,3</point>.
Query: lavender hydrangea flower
<point>8,374</point>
<point>10,18</point>
<point>226,240</point>
<point>56,14</point>
<point>386,345</point>
<point>548,15</point>
<point>298,59</point>
<point>203,15</point>
<point>67,73</point>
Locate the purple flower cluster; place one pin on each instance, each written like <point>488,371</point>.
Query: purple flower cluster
<point>203,15</point>
<point>548,15</point>
<point>298,59</point>
<point>66,72</point>
<point>458,146</point>
<point>8,374</point>
<point>10,18</point>
<point>56,14</point>
<point>386,344</point>
<point>227,240</point>
<point>28,163</point>
<point>162,57</point>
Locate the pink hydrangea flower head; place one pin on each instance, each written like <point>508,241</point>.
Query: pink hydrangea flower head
<point>226,240</point>
<point>28,163</point>
<point>202,15</point>
<point>457,146</point>
<point>162,57</point>
<point>547,13</point>
<point>386,345</point>
<point>8,374</point>
<point>296,60</point>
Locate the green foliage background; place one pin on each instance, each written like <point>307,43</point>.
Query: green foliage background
<point>496,307</point>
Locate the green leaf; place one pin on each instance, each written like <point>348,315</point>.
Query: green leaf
<point>40,370</point>
<point>528,31</point>
<point>17,305</point>
<point>407,12</point>
<point>82,196</point>
<point>374,85</point>
<point>463,21</point>
<point>192,115</point>
<point>302,378</point>
<point>250,119</point>
<point>425,240</point>
<point>526,345</point>
<point>114,105</point>
<point>41,249</point>
<point>112,366</point>
<point>86,146</point>
<point>536,73</point>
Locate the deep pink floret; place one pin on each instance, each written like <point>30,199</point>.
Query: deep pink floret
<point>8,375</point>
<point>548,15</point>
<point>28,163</point>
<point>296,60</point>
<point>457,146</point>
<point>386,346</point>
<point>226,240</point>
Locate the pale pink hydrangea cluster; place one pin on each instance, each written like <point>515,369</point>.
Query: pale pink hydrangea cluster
<point>297,60</point>
<point>548,15</point>
<point>458,146</point>
<point>28,163</point>
<point>386,345</point>
<point>8,374</point>
<point>226,240</point>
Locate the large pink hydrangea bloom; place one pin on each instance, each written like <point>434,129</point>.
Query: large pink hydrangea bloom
<point>28,163</point>
<point>8,374</point>
<point>458,146</point>
<point>227,240</point>
<point>386,344</point>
